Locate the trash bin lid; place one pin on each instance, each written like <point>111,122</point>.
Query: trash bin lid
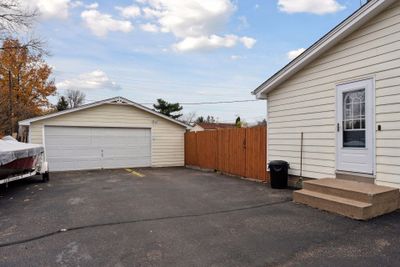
<point>278,163</point>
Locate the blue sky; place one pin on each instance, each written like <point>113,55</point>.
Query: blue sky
<point>181,51</point>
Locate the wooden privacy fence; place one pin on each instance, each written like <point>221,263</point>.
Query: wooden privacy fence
<point>237,151</point>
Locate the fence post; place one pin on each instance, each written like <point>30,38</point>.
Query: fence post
<point>245,152</point>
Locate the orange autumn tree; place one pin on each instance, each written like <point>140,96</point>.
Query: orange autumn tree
<point>25,84</point>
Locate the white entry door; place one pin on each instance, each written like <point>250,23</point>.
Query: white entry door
<point>355,150</point>
<point>86,148</point>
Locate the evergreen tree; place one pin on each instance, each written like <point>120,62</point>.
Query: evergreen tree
<point>238,122</point>
<point>168,109</point>
<point>62,104</point>
<point>200,119</point>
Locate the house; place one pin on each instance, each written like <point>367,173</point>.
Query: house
<point>211,126</point>
<point>112,133</point>
<point>342,95</point>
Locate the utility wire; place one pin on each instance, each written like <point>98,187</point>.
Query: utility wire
<point>213,102</point>
<point>204,103</point>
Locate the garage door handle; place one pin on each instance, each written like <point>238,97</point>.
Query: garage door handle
<point>102,153</point>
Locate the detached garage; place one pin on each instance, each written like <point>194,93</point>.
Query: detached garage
<point>113,133</point>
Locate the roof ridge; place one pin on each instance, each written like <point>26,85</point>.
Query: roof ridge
<point>118,99</point>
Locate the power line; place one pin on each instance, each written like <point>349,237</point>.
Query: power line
<point>213,102</point>
<point>200,103</point>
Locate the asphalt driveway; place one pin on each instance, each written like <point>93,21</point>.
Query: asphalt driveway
<point>179,217</point>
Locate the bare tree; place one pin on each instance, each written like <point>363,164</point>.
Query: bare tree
<point>263,122</point>
<point>15,16</point>
<point>189,118</point>
<point>75,98</point>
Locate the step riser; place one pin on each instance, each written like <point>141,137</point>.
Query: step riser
<point>331,206</point>
<point>338,192</point>
<point>386,197</point>
<point>380,209</point>
<point>356,200</point>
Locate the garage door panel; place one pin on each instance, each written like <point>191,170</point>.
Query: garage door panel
<point>120,141</point>
<point>83,164</point>
<point>57,140</point>
<point>80,148</point>
<point>80,152</point>
<point>120,132</point>
<point>125,162</point>
<point>132,152</point>
<point>68,131</point>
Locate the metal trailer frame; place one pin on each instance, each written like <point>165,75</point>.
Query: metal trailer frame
<point>40,168</point>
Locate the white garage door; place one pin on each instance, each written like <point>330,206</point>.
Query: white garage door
<point>85,148</point>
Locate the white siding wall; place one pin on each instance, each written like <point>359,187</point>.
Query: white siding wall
<point>306,102</point>
<point>167,137</point>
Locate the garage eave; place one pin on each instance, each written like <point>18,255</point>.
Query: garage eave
<point>115,100</point>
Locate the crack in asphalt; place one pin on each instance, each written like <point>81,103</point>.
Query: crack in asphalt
<point>64,230</point>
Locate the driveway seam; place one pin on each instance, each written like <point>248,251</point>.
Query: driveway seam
<point>64,230</point>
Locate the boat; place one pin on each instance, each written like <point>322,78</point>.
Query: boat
<point>21,160</point>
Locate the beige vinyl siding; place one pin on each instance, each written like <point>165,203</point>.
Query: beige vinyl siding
<point>167,137</point>
<point>306,102</point>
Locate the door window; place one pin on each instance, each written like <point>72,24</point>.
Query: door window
<point>354,119</point>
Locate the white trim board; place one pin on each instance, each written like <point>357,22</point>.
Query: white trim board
<point>358,160</point>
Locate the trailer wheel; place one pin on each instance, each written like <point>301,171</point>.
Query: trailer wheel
<point>45,177</point>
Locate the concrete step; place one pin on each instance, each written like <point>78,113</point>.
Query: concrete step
<point>356,200</point>
<point>364,192</point>
<point>343,206</point>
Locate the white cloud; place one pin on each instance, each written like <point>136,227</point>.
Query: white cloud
<point>193,17</point>
<point>318,7</point>
<point>95,80</point>
<point>59,9</point>
<point>295,53</point>
<point>151,13</point>
<point>49,9</point>
<point>75,4</point>
<point>236,57</point>
<point>129,11</point>
<point>149,27</point>
<point>197,23</point>
<point>205,43</point>
<point>92,5</point>
<point>100,24</point>
<point>248,42</point>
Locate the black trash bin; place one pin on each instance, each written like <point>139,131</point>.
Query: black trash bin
<point>278,170</point>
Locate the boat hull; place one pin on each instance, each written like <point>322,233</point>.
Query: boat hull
<point>18,166</point>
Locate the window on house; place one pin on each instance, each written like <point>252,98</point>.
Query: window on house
<point>354,118</point>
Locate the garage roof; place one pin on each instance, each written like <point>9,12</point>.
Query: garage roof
<point>115,100</point>
<point>349,25</point>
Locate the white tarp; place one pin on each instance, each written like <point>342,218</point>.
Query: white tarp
<point>11,149</point>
